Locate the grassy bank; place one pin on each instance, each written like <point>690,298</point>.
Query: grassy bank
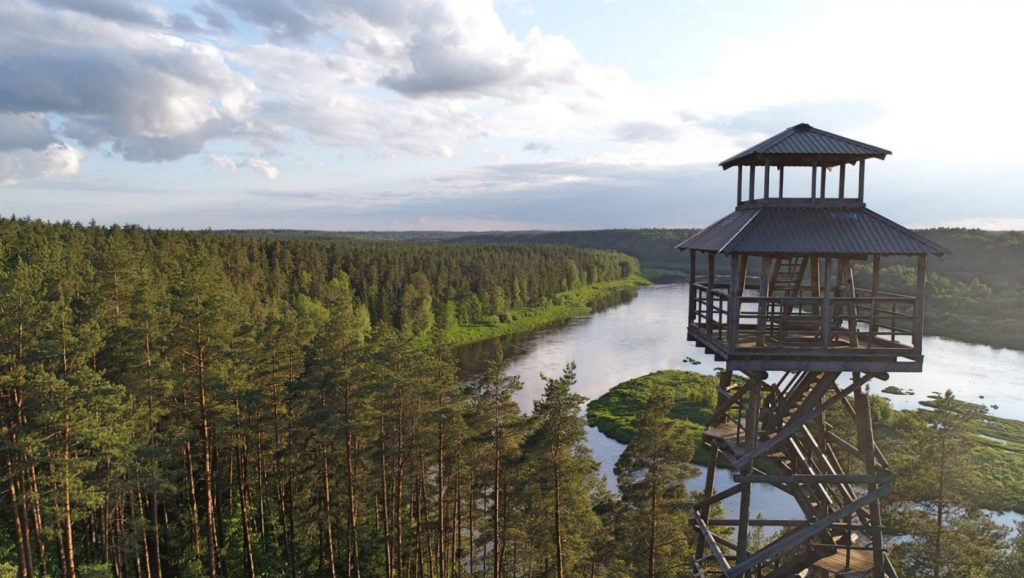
<point>562,306</point>
<point>612,413</point>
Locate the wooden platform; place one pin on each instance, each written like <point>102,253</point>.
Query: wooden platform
<point>861,562</point>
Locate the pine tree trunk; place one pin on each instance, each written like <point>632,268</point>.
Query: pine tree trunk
<point>329,535</point>
<point>211,525</point>
<point>193,498</point>
<point>250,564</point>
<point>558,520</point>
<point>654,532</point>
<point>37,520</point>
<point>350,469</point>
<point>440,499</point>
<point>20,530</point>
<point>154,507</point>
<point>68,532</point>
<point>496,517</point>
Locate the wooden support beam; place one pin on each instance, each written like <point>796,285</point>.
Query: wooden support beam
<point>709,487</point>
<point>735,290</point>
<point>752,423</point>
<point>919,303</point>
<point>826,306</point>
<point>797,536</point>
<point>866,445</point>
<point>842,181</point>
<point>728,403</point>
<point>718,497</point>
<point>824,170</point>
<point>815,479</point>
<point>860,181</point>
<point>709,298</point>
<point>756,522</point>
<point>767,174</point>
<point>709,539</point>
<point>814,182</point>
<point>750,191</point>
<point>781,173</point>
<point>739,185</point>
<point>692,313</point>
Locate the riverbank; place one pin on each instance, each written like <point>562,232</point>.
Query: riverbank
<point>562,306</point>
<point>998,458</point>
<point>612,413</point>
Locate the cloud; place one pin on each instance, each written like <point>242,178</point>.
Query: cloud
<point>117,10</point>
<point>222,161</point>
<point>262,167</point>
<point>214,18</point>
<point>24,131</point>
<point>283,19</point>
<point>54,160</point>
<point>537,146</point>
<point>644,132</point>
<point>151,95</point>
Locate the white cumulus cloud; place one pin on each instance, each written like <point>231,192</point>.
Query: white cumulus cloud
<point>263,167</point>
<point>54,160</point>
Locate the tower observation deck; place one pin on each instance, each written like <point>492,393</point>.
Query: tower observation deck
<point>791,303</point>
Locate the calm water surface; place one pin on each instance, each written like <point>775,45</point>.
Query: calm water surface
<point>645,333</point>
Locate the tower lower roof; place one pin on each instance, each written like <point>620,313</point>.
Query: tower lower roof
<point>810,228</point>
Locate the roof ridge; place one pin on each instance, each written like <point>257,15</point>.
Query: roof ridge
<point>742,231</point>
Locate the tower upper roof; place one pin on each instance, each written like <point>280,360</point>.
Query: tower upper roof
<point>804,145</point>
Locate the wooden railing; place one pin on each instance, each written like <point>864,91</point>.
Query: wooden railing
<point>868,322</point>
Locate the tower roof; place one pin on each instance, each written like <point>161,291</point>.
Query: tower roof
<point>810,229</point>
<point>804,145</point>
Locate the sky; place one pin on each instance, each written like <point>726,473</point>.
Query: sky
<point>494,115</point>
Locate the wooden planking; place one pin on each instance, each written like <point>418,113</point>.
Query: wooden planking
<point>860,561</point>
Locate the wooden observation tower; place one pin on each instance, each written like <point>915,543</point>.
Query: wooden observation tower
<point>791,304</point>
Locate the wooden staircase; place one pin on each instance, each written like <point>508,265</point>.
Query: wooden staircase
<point>776,433</point>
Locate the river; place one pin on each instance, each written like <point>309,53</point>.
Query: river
<point>634,336</point>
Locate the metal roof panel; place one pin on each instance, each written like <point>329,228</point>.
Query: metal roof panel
<point>810,230</point>
<point>805,145</point>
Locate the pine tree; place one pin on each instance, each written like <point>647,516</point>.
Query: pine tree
<point>652,472</point>
<point>496,418</point>
<point>947,537</point>
<point>561,476</point>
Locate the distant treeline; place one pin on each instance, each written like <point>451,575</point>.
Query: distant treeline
<point>975,293</point>
<point>186,404</point>
<point>653,248</point>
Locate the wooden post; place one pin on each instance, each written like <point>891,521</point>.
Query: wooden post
<point>781,172</point>
<point>767,173</point>
<point>860,181</point>
<point>919,304</point>
<point>866,445</point>
<point>737,264</point>
<point>709,297</point>
<point>753,411</point>
<point>692,313</point>
<point>873,323</point>
<point>739,185</point>
<point>750,191</point>
<point>814,181</point>
<point>823,171</point>
<point>709,487</point>
<point>842,181</point>
<point>762,307</point>
<point>826,306</point>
